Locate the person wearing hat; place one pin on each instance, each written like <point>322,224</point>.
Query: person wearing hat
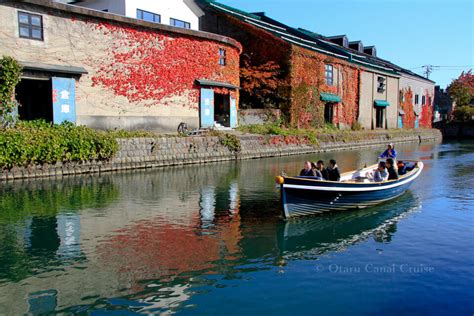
<point>390,152</point>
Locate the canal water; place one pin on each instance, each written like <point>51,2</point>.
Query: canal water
<point>209,240</point>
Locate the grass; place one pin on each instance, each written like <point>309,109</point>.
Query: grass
<point>328,133</point>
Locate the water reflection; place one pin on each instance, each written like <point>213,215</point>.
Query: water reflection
<point>149,241</point>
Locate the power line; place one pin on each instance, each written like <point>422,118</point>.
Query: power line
<point>428,69</point>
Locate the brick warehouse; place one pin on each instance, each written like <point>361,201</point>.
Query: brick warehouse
<point>320,79</point>
<point>110,71</point>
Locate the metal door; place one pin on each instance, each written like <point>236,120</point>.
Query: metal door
<point>207,107</point>
<point>233,113</point>
<point>416,122</point>
<point>400,121</point>
<point>64,100</point>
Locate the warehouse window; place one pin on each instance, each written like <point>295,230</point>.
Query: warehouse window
<point>423,100</point>
<point>179,23</point>
<point>329,75</point>
<point>380,84</point>
<point>417,99</point>
<point>222,57</point>
<point>148,16</point>
<point>30,26</point>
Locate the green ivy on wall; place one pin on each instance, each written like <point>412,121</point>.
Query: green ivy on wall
<point>10,74</point>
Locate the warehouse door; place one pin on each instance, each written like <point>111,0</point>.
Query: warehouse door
<point>35,98</point>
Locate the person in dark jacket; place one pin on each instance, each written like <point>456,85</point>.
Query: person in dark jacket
<point>392,173</point>
<point>333,171</point>
<point>308,170</point>
<point>324,172</point>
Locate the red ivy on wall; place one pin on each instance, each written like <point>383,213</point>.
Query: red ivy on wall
<point>406,104</point>
<point>308,80</point>
<point>426,116</point>
<point>148,65</point>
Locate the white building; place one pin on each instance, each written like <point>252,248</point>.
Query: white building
<point>180,13</point>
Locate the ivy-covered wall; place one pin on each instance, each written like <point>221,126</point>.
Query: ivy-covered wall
<point>409,88</point>
<point>264,62</point>
<point>139,75</point>
<point>308,81</point>
<point>406,104</point>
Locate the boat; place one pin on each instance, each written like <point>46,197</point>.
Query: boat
<point>307,195</point>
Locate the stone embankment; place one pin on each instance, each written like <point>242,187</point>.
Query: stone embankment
<point>141,153</point>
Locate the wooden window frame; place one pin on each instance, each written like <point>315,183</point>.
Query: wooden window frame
<point>30,26</point>
<point>329,74</point>
<point>222,57</point>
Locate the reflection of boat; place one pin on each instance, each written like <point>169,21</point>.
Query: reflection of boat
<point>312,236</point>
<point>305,195</point>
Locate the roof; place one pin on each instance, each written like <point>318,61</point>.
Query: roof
<point>312,41</point>
<point>81,11</point>
<point>74,70</point>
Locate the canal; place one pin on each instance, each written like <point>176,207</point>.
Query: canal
<point>209,240</point>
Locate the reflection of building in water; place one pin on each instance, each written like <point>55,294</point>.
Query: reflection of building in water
<point>69,231</point>
<point>234,198</point>
<point>207,205</point>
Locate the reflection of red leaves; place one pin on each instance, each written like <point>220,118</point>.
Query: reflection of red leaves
<point>149,66</point>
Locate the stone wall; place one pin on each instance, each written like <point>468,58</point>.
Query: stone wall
<point>258,116</point>
<point>456,130</point>
<point>141,153</point>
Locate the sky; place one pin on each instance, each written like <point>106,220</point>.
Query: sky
<point>410,33</point>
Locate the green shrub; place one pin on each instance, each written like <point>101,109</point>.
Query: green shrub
<point>131,134</point>
<point>230,141</point>
<point>464,114</point>
<point>10,74</point>
<point>356,126</point>
<point>39,142</point>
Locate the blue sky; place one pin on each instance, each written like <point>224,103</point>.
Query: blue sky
<point>410,33</point>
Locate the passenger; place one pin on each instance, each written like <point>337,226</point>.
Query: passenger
<point>410,166</point>
<point>380,174</point>
<point>402,169</point>
<point>317,171</point>
<point>390,152</point>
<point>392,173</point>
<point>333,171</point>
<point>307,171</point>
<point>407,167</point>
<point>324,172</point>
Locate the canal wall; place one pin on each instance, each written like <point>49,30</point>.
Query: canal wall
<point>141,153</point>
<point>456,130</point>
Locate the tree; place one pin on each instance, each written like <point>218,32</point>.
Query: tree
<point>461,89</point>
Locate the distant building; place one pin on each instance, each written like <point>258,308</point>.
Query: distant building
<point>443,104</point>
<point>108,71</point>
<point>180,13</point>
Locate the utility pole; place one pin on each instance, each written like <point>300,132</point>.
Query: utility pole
<point>428,70</point>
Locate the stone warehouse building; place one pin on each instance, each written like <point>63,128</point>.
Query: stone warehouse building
<point>110,71</point>
<point>320,79</point>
